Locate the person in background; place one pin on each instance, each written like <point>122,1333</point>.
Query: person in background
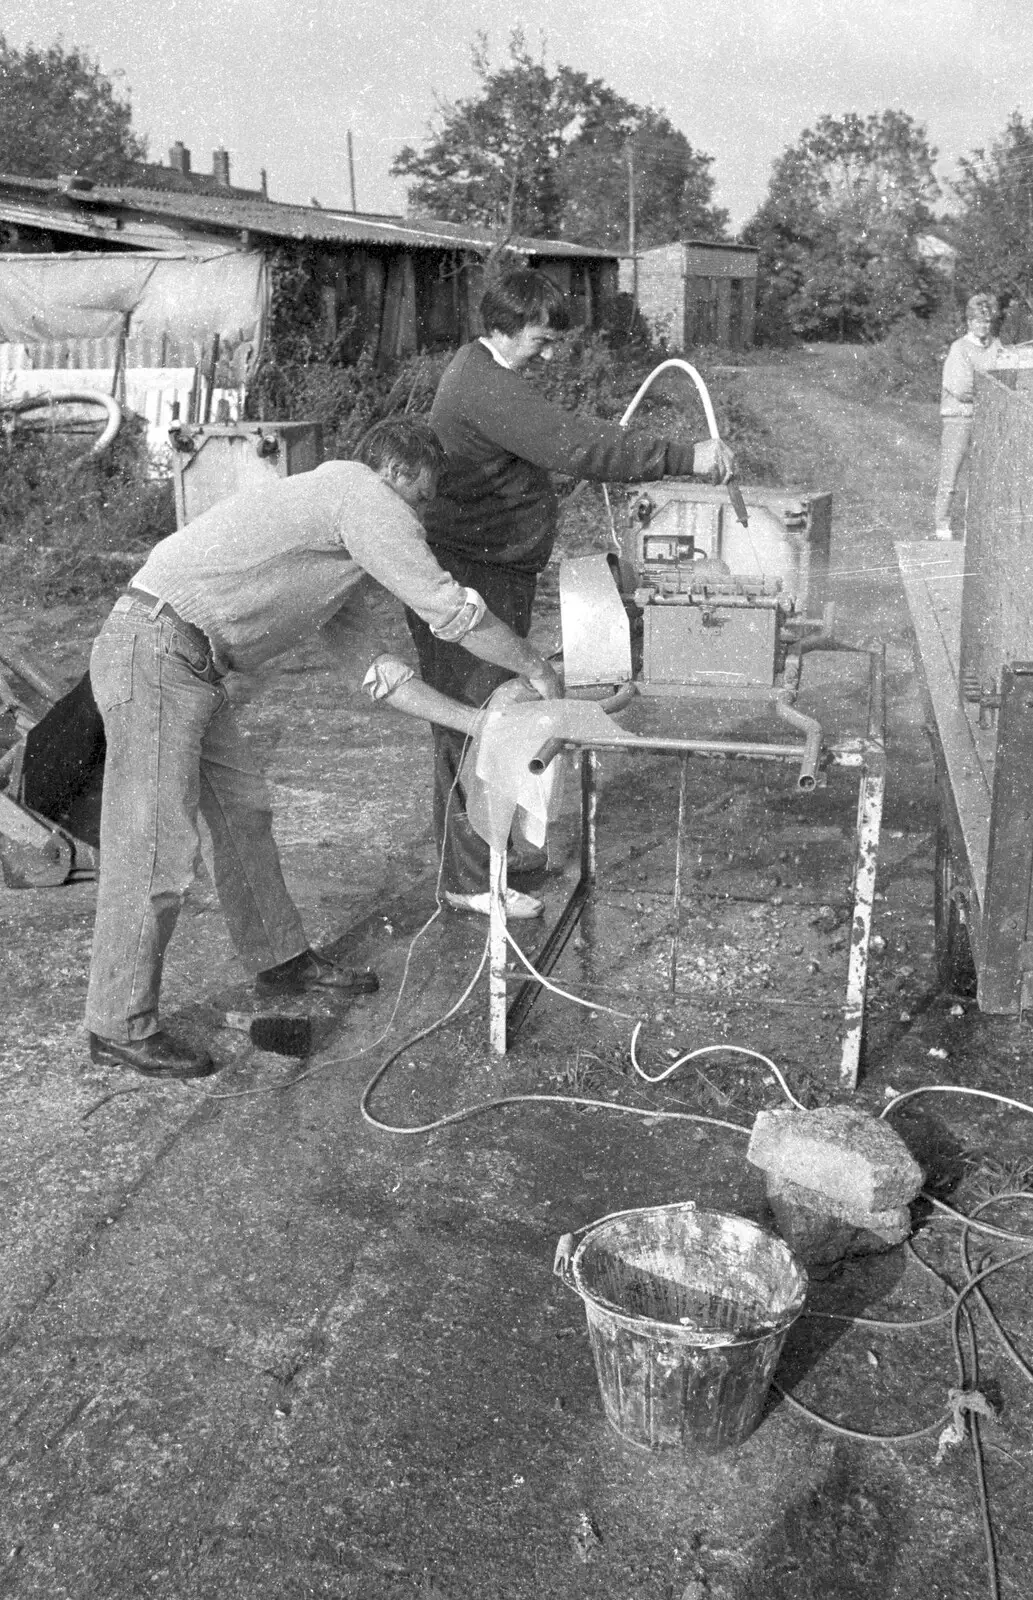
<point>976,351</point>
<point>249,579</point>
<point>493,522</point>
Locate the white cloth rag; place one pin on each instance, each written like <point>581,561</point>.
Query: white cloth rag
<point>503,795</point>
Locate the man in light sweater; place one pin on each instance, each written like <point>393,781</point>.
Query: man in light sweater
<point>976,351</point>
<point>493,523</point>
<point>249,579</point>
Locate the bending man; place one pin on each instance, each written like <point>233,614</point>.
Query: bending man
<point>244,582</point>
<point>493,523</point>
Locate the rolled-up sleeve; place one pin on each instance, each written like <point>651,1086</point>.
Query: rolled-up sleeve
<point>386,674</point>
<point>470,613</point>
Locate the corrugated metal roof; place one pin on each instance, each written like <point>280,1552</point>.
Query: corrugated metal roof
<point>276,220</point>
<point>696,244</point>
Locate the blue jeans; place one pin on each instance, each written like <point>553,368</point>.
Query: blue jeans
<point>955,442</point>
<point>173,747</point>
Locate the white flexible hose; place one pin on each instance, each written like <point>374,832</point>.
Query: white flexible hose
<point>684,366</point>
<point>37,402</point>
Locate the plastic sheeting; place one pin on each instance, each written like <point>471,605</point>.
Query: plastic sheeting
<point>503,795</point>
<point>184,300</point>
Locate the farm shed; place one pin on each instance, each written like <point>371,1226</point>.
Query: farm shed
<point>400,285</point>
<point>695,291</point>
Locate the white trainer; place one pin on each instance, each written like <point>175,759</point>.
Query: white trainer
<point>521,907</point>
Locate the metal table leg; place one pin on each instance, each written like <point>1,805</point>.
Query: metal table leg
<point>869,822</point>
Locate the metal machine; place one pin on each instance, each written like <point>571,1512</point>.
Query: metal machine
<point>51,770</point>
<point>715,605</point>
<point>213,460</point>
<point>707,594</point>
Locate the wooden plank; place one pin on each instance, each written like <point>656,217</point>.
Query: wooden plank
<point>932,573</point>
<point>997,608</point>
<point>1003,980</point>
<point>398,325</point>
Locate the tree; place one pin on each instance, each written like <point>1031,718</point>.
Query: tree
<point>542,152</point>
<point>993,233</point>
<point>59,113</point>
<point>837,230</point>
<point>640,161</point>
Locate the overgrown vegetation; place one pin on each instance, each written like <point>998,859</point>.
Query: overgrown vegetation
<point>73,529</point>
<point>837,230</point>
<point>60,113</point>
<point>909,361</point>
<point>559,155</point>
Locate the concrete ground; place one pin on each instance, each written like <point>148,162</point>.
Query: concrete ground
<point>254,1344</point>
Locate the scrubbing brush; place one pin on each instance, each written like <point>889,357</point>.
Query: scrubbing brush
<point>282,1036</point>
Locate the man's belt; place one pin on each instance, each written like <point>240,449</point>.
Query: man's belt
<point>159,608</point>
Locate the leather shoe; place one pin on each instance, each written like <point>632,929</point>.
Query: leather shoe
<point>524,861</point>
<point>312,970</point>
<point>157,1056</point>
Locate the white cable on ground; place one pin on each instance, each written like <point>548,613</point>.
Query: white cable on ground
<point>564,994</point>
<point>954,1088</point>
<point>712,1049</point>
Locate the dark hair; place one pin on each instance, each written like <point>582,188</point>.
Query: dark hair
<point>514,300</point>
<point>981,305</point>
<point>408,443</point>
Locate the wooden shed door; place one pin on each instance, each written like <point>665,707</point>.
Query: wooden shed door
<point>398,329</point>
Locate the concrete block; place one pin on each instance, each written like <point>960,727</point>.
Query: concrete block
<point>838,1152</point>
<point>820,1239</point>
<point>889,1220</point>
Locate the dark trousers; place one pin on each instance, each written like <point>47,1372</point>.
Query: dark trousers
<point>509,595</point>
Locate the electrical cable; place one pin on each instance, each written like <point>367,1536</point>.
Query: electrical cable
<point>954,1088</point>
<point>712,1049</point>
<point>564,994</point>
<point>1014,1194</point>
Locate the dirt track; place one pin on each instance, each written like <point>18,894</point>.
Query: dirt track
<point>255,1347</point>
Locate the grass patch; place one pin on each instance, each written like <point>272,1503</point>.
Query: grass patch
<point>908,363</point>
<point>74,529</point>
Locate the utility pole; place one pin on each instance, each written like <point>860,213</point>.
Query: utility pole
<point>629,156</point>
<point>351,169</point>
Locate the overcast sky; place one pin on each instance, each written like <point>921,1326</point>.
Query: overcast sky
<point>279,83</point>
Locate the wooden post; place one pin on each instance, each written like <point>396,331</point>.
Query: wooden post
<point>632,242</point>
<point>213,363</point>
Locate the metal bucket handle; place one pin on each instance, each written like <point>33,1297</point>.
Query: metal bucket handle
<point>566,1247</point>
<point>563,1259</point>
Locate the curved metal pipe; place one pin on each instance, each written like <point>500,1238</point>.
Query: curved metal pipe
<point>613,703</point>
<point>37,402</point>
<point>807,777</point>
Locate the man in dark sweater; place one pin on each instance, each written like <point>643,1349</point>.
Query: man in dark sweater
<point>493,522</point>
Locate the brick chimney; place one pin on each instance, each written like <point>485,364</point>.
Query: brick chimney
<point>179,157</point>
<point>221,167</point>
